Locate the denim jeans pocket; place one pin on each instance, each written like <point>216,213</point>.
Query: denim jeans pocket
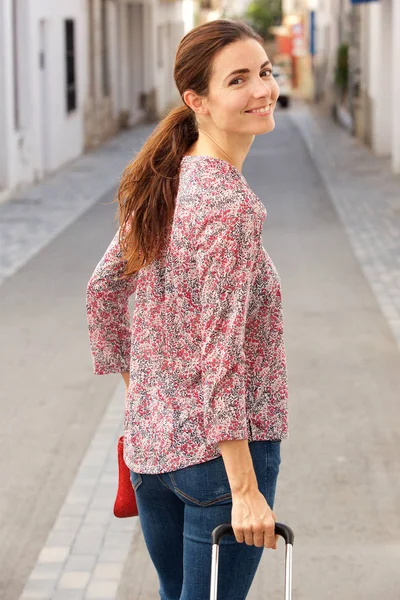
<point>136,480</point>
<point>204,484</point>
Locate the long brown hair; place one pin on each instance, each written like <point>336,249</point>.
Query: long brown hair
<point>149,184</point>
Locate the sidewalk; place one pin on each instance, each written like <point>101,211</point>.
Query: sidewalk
<point>366,196</point>
<point>36,215</point>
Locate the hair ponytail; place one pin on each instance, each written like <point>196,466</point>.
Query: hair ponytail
<point>148,187</point>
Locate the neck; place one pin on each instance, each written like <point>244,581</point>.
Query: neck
<point>233,149</point>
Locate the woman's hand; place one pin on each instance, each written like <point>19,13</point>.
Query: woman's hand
<point>253,521</point>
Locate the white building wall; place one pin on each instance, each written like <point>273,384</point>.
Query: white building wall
<point>18,122</point>
<point>383,92</point>
<point>143,37</point>
<point>46,136</point>
<point>325,41</point>
<point>382,138</point>
<point>113,31</point>
<point>396,86</point>
<point>101,105</point>
<point>131,63</point>
<point>164,25</point>
<point>6,95</point>
<point>64,130</point>
<point>379,55</point>
<point>332,33</point>
<point>169,30</point>
<point>188,11</point>
<point>373,74</point>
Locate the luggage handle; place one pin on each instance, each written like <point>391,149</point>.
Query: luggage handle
<point>226,529</point>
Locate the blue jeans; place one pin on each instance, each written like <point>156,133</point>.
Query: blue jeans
<point>179,510</point>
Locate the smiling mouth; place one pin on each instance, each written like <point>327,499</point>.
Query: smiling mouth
<point>263,110</point>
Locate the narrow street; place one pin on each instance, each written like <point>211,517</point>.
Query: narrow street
<point>339,262</point>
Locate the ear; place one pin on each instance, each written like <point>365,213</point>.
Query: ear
<point>195,102</point>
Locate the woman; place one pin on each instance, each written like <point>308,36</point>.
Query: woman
<point>203,359</point>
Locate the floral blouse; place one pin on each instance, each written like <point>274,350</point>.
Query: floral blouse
<point>205,347</point>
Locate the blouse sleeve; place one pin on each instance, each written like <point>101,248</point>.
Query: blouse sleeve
<point>107,309</point>
<point>225,258</point>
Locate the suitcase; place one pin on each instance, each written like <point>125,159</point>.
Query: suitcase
<point>223,530</point>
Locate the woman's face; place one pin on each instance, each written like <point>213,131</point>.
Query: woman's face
<point>242,91</point>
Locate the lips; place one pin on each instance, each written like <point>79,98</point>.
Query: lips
<point>261,109</point>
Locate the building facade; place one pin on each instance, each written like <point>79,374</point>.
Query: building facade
<point>368,108</point>
<point>131,49</point>
<point>74,72</point>
<point>293,38</point>
<point>380,77</point>
<point>42,71</point>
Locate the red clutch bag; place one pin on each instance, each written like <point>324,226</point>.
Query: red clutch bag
<point>125,502</point>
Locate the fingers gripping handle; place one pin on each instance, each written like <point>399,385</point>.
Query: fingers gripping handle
<point>226,529</point>
<point>223,530</point>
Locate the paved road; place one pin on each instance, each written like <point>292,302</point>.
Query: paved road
<point>338,487</point>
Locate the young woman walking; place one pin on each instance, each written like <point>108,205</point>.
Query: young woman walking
<point>203,357</point>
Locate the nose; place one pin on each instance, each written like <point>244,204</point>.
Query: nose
<point>262,89</point>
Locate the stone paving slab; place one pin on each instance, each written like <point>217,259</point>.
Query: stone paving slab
<point>366,195</point>
<point>36,215</point>
<point>85,552</point>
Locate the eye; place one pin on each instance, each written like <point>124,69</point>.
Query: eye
<point>267,71</point>
<point>233,82</point>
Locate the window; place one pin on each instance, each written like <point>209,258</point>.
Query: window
<point>70,64</point>
<point>104,50</point>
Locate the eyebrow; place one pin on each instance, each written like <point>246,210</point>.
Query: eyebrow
<point>241,71</point>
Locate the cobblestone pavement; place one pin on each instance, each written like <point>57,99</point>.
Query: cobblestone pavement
<point>39,213</point>
<point>366,195</point>
<point>88,554</point>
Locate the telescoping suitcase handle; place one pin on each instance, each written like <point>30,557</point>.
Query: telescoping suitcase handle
<point>223,530</point>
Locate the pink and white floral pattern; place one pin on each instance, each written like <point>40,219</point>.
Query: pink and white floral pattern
<point>205,347</point>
